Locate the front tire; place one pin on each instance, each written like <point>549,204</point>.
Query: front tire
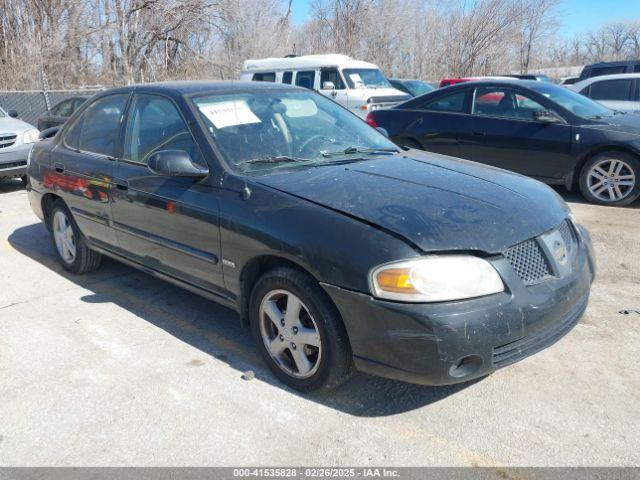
<point>73,252</point>
<point>299,331</point>
<point>611,178</point>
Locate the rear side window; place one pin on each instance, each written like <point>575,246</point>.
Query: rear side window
<point>611,90</point>
<point>287,77</point>
<point>331,75</point>
<point>596,72</point>
<point>449,103</point>
<point>155,124</point>
<point>264,77</point>
<point>306,79</point>
<point>98,128</point>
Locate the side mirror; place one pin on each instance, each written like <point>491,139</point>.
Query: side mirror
<point>48,132</point>
<point>328,86</point>
<point>175,163</point>
<point>12,113</point>
<point>383,131</point>
<point>546,116</point>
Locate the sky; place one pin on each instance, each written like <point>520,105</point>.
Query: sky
<point>576,15</point>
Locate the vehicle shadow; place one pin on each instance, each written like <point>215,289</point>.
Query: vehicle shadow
<point>574,196</point>
<point>10,185</point>
<point>216,330</point>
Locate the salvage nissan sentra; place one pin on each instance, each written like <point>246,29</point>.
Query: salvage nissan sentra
<point>336,247</point>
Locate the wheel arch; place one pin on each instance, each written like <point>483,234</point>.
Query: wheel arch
<point>574,177</point>
<point>47,203</point>
<point>254,269</point>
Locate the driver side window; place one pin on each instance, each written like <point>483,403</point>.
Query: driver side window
<point>155,124</point>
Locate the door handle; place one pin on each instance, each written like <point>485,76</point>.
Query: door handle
<point>121,184</point>
<point>59,167</point>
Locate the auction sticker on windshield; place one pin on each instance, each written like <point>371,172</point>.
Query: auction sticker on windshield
<point>229,113</point>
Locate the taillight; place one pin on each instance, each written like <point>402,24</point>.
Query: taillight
<point>371,121</point>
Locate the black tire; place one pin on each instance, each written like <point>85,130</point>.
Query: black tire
<point>632,163</point>
<point>25,180</point>
<point>335,363</point>
<point>85,259</point>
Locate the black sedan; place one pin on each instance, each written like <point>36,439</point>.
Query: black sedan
<point>534,128</point>
<point>60,112</point>
<point>336,247</point>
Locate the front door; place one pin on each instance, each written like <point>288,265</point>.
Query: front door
<point>506,135</point>
<point>166,223</point>
<point>339,92</point>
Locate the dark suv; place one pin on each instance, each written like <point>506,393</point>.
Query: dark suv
<point>610,68</point>
<point>337,248</point>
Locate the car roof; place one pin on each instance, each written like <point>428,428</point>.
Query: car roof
<point>304,61</point>
<point>613,76</point>
<point>497,81</point>
<point>187,87</point>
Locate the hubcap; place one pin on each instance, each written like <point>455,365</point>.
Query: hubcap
<point>64,238</point>
<point>611,180</point>
<point>290,333</point>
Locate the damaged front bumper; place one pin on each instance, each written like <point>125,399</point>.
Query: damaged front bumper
<point>452,342</point>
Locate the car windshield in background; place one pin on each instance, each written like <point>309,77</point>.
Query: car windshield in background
<point>365,77</point>
<point>574,102</point>
<point>261,130</point>
<point>417,87</point>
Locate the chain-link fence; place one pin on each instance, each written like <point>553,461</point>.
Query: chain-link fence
<point>31,105</point>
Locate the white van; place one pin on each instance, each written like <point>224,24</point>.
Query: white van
<point>358,86</point>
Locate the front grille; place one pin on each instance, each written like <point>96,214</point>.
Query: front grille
<point>512,352</point>
<point>7,140</point>
<point>5,166</point>
<point>529,262</point>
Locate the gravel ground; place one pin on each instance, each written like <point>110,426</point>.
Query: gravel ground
<point>118,368</point>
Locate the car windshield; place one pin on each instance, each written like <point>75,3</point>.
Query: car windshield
<point>365,77</point>
<point>574,102</point>
<point>269,129</point>
<point>417,87</point>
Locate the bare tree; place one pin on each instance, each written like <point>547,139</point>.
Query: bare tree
<point>536,22</point>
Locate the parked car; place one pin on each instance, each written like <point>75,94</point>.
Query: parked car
<point>533,128</point>
<point>538,77</point>
<point>413,87</point>
<point>335,246</point>
<point>357,86</point>
<point>618,92</point>
<point>610,68</point>
<point>566,81</point>
<point>61,112</point>
<point>16,139</point>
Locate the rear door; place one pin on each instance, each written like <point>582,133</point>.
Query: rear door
<point>167,223</point>
<point>511,138</point>
<point>83,166</point>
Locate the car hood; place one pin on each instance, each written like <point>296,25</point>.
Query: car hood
<point>434,202</point>
<point>13,125</point>
<point>628,123</point>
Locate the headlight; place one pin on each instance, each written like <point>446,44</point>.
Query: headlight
<point>31,136</point>
<point>435,278</point>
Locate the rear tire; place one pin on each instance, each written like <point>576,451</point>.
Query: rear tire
<point>307,349</point>
<point>611,178</point>
<point>71,247</point>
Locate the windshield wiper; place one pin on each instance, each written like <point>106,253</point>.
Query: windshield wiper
<point>352,150</point>
<point>274,159</point>
<point>619,112</point>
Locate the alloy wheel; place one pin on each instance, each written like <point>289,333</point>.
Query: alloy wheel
<point>611,180</point>
<point>290,333</point>
<point>64,237</point>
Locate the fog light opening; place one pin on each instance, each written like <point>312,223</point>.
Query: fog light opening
<point>466,366</point>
